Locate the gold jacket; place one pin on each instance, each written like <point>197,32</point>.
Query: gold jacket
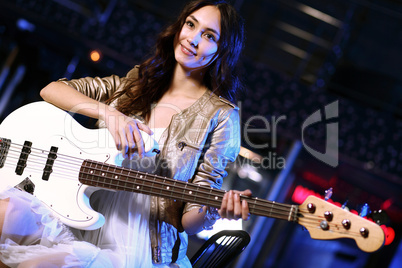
<point>196,147</point>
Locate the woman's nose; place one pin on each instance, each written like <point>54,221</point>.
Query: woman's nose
<point>194,39</point>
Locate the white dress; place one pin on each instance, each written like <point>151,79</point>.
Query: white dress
<point>30,231</point>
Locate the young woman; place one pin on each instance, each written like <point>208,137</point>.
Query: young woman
<point>182,95</point>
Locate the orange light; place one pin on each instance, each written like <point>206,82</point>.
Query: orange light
<point>95,55</point>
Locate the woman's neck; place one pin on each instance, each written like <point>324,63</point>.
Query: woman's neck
<point>185,89</point>
<point>187,83</point>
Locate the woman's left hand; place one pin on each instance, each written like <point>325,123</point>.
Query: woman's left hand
<point>232,207</point>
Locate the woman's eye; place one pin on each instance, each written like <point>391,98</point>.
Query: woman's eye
<point>210,36</point>
<point>189,23</point>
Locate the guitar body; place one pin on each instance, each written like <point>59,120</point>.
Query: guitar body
<point>45,126</point>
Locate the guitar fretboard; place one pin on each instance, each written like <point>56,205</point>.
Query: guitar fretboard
<point>124,179</point>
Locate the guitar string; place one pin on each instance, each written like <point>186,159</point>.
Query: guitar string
<point>184,196</point>
<point>162,180</point>
<point>43,155</point>
<point>310,221</point>
<point>273,212</point>
<point>284,216</point>
<point>280,213</point>
<point>155,184</point>
<point>184,191</point>
<point>180,193</point>
<point>312,218</point>
<point>37,166</point>
<point>35,158</point>
<point>39,157</point>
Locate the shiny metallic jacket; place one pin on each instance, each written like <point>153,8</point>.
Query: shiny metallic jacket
<point>196,147</point>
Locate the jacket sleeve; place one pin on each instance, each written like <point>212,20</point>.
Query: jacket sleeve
<point>222,148</point>
<point>100,89</point>
<point>96,88</point>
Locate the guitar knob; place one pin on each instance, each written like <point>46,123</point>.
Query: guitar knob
<point>311,207</point>
<point>328,215</point>
<point>29,188</point>
<point>324,225</point>
<point>364,232</point>
<point>365,210</point>
<point>346,224</point>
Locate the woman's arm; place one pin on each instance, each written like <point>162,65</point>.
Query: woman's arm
<point>195,221</point>
<point>125,130</point>
<point>224,146</point>
<point>69,99</point>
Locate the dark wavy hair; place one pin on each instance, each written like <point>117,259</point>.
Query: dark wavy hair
<point>156,72</point>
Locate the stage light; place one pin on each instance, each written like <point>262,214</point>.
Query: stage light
<point>25,25</point>
<point>95,55</point>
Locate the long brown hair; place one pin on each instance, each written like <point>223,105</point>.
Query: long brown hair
<point>156,72</point>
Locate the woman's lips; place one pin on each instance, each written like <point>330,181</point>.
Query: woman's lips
<point>187,51</point>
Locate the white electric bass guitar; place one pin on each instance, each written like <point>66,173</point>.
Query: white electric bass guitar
<point>45,152</point>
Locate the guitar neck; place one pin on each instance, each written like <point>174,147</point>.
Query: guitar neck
<point>118,178</point>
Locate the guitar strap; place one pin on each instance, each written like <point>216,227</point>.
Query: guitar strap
<point>176,247</point>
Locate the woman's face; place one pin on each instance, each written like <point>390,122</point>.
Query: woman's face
<point>196,45</point>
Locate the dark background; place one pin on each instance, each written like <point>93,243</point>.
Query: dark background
<point>299,57</point>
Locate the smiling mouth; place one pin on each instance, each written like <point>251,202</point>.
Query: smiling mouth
<point>187,51</point>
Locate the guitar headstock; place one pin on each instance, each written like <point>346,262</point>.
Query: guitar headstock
<point>327,221</point>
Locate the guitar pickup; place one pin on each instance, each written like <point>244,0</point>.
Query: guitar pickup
<point>4,147</point>
<point>49,163</point>
<point>22,161</point>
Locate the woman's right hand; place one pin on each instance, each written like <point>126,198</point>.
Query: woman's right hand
<point>126,132</point>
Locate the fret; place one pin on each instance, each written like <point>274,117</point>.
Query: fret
<point>126,183</point>
<point>215,197</point>
<point>184,191</point>
<point>152,183</point>
<point>208,203</point>
<point>118,175</point>
<point>140,183</point>
<point>173,189</point>
<point>135,179</point>
<point>192,192</point>
<point>272,207</point>
<point>254,204</point>
<point>163,188</point>
<point>295,211</point>
<point>290,214</point>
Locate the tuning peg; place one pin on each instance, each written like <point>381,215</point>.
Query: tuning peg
<point>380,217</point>
<point>365,210</point>
<point>328,194</point>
